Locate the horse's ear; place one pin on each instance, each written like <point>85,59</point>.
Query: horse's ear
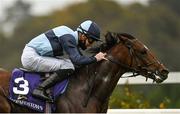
<point>110,39</point>
<point>108,35</point>
<point>125,40</point>
<point>122,38</point>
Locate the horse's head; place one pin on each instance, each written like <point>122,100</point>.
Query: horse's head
<point>131,54</point>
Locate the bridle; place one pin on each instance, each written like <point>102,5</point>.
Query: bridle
<point>134,67</point>
<point>136,71</point>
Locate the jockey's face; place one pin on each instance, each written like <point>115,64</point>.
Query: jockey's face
<point>87,42</point>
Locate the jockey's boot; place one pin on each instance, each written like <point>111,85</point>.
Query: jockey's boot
<point>57,76</point>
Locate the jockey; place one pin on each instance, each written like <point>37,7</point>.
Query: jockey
<point>44,53</point>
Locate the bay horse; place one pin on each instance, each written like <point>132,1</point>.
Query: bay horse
<point>90,87</point>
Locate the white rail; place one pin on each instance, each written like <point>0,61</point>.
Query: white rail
<point>173,77</point>
<point>143,111</point>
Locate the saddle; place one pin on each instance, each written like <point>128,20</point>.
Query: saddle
<point>23,82</point>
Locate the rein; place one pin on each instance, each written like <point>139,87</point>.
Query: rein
<point>135,71</point>
<point>90,85</point>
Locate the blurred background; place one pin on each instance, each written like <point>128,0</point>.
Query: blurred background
<point>155,22</point>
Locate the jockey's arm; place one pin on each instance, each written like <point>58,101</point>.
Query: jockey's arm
<point>70,47</point>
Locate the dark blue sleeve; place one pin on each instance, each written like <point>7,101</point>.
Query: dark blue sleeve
<point>69,44</point>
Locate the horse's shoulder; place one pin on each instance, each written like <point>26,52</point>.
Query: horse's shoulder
<point>3,70</point>
<point>4,73</point>
<point>4,78</point>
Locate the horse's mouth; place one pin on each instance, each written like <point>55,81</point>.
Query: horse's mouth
<point>157,76</point>
<point>161,76</point>
<point>158,79</point>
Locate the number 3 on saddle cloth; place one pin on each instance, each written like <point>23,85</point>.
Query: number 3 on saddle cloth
<point>22,84</point>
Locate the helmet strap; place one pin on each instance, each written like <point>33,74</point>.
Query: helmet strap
<point>82,45</point>
<point>82,30</point>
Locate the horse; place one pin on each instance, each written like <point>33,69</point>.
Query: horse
<point>91,86</point>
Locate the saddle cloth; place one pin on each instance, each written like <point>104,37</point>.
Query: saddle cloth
<point>22,84</point>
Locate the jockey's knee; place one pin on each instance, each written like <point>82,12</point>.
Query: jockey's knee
<point>65,72</point>
<point>31,63</point>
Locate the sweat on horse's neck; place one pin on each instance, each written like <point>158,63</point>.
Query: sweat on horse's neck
<point>108,74</point>
<point>106,80</point>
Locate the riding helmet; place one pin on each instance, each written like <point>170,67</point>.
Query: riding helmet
<point>90,29</point>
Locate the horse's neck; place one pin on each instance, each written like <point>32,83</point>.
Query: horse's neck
<point>103,77</point>
<point>106,80</point>
<point>93,84</point>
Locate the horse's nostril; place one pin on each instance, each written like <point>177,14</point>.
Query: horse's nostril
<point>165,72</point>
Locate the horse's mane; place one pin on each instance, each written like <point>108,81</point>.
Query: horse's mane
<point>111,38</point>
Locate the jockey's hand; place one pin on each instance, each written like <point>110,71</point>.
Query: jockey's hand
<point>100,56</point>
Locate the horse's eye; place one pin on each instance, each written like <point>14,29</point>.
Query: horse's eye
<point>143,52</point>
